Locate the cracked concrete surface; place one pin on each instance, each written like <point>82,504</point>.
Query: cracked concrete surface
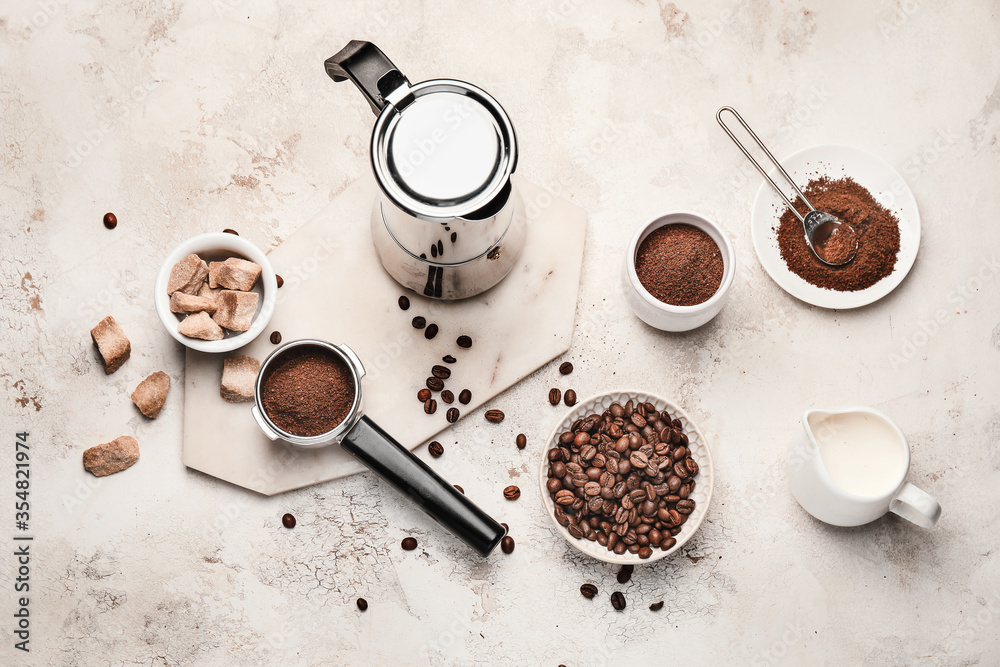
<point>189,117</point>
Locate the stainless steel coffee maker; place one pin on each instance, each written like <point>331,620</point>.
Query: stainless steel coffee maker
<point>449,224</point>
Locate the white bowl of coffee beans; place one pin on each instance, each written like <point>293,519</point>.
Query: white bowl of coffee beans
<point>626,477</point>
<point>678,270</point>
<point>215,292</point>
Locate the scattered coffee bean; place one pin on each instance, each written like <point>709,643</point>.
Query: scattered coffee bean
<point>423,394</point>
<point>435,384</point>
<point>404,303</point>
<point>430,406</point>
<point>554,396</point>
<point>288,521</point>
<point>281,281</point>
<point>621,478</point>
<point>275,337</point>
<point>464,397</point>
<point>618,601</point>
<point>110,220</point>
<point>512,492</point>
<point>570,398</point>
<point>447,396</point>
<point>625,574</point>
<point>409,543</point>
<point>464,341</point>
<point>521,441</point>
<point>431,331</point>
<point>656,606</point>
<point>436,449</point>
<point>230,231</point>
<point>460,489</point>
<point>362,604</point>
<point>588,591</point>
<point>418,322</point>
<point>448,359</point>
<point>494,416</point>
<point>507,544</point>
<point>453,415</point>
<point>442,372</point>
<point>506,528</point>
<point>565,368</point>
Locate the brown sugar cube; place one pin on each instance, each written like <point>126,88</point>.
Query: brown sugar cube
<point>111,343</point>
<point>208,292</point>
<point>151,394</point>
<point>187,275</point>
<point>235,309</point>
<point>200,325</point>
<point>111,457</point>
<point>239,375</point>
<point>234,273</point>
<point>181,302</point>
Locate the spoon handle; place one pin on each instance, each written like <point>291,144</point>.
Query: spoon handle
<point>718,116</point>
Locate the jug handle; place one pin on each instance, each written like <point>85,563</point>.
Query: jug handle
<point>916,505</point>
<point>370,70</point>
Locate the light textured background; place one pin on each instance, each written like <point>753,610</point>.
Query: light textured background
<point>195,116</point>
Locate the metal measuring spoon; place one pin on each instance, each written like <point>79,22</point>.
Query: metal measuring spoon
<point>833,241</point>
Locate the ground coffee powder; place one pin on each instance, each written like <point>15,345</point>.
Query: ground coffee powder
<point>680,265</point>
<point>877,231</point>
<point>308,391</point>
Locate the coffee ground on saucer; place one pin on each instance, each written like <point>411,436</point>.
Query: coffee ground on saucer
<point>308,392</point>
<point>679,265</point>
<point>876,227</point>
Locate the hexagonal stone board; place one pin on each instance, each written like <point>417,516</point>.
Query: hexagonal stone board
<point>335,289</point>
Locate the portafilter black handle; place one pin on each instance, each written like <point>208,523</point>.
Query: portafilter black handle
<point>392,462</point>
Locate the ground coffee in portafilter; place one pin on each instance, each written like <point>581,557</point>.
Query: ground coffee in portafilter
<point>679,265</point>
<point>308,391</point>
<point>876,228</point>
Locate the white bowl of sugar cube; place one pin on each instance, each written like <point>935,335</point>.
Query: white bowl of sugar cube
<point>215,292</point>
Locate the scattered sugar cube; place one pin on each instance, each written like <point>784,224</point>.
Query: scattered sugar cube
<point>111,457</point>
<point>112,343</point>
<point>151,394</point>
<point>239,375</point>
<point>235,310</point>
<point>201,325</point>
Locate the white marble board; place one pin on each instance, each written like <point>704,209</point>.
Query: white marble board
<point>335,289</point>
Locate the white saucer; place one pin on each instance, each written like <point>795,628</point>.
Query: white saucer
<point>835,161</point>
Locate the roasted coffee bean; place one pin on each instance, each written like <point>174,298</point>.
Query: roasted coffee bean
<point>625,573</point>
<point>553,485</point>
<point>618,601</point>
<point>404,303</point>
<point>554,396</point>
<point>668,543</point>
<point>423,394</point>
<point>506,528</point>
<point>620,548</point>
<point>592,489</point>
<point>656,606</point>
<point>555,454</point>
<point>275,337</point>
<point>436,449</point>
<point>637,420</point>
<point>288,521</point>
<point>685,506</point>
<point>442,372</point>
<point>452,415</point>
<point>617,410</point>
<point>362,604</point>
<point>587,453</point>
<point>435,384</point>
<point>431,331</point>
<point>447,396</point>
<point>574,530</point>
<point>464,396</point>
<point>692,466</point>
<point>558,468</point>
<point>674,483</point>
<point>565,497</point>
<point>512,492</point>
<point>493,416</point>
<point>460,489</point>
<point>418,322</point>
<point>110,220</point>
<point>570,398</point>
<point>588,591</point>
<point>521,441</point>
<point>430,406</point>
<point>644,551</point>
<point>638,459</point>
<point>448,359</point>
<point>464,341</point>
<point>281,281</point>
<point>409,543</point>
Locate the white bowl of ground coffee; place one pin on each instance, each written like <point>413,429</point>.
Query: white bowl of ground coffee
<point>678,270</point>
